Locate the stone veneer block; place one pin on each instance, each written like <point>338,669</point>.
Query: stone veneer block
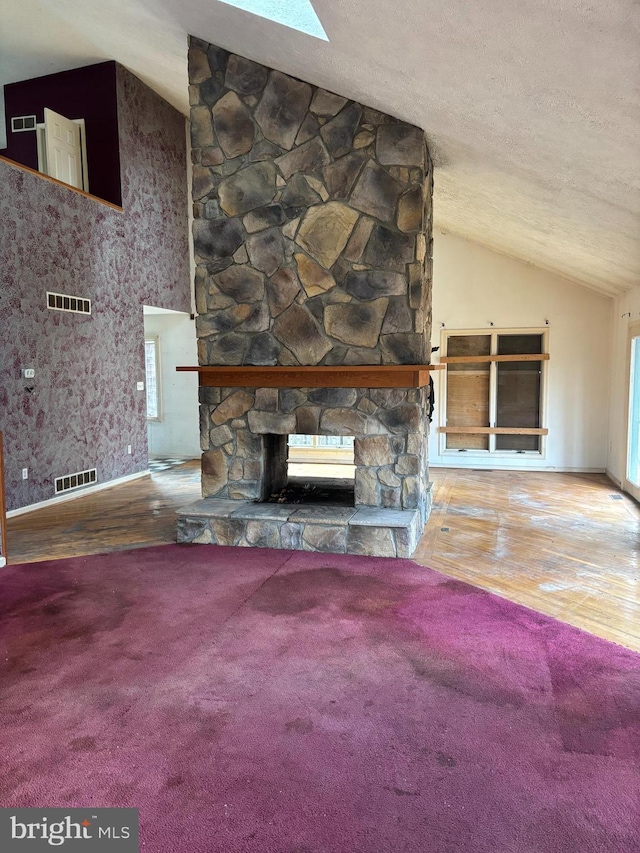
<point>370,516</point>
<point>323,514</point>
<point>193,529</point>
<point>325,231</point>
<point>262,511</point>
<point>244,76</point>
<point>371,541</point>
<point>212,507</point>
<point>356,323</point>
<point>262,534</point>
<point>282,108</point>
<point>282,289</point>
<point>233,125</point>
<point>248,189</point>
<point>326,103</point>
<point>310,157</point>
<point>400,145</point>
<point>226,531</point>
<point>297,329</point>
<point>325,538</point>
<point>314,278</point>
<point>377,193</point>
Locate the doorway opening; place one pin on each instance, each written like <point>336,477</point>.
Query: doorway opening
<point>171,398</point>
<point>62,149</point>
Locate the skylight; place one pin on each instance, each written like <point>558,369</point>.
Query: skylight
<point>296,14</point>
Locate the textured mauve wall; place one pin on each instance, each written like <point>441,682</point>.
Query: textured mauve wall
<point>84,408</point>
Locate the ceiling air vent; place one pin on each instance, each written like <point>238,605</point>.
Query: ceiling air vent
<point>21,123</point>
<point>75,481</point>
<point>75,304</point>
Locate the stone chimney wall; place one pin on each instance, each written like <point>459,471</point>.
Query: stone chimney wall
<point>312,222</point>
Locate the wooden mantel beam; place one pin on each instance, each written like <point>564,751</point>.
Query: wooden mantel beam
<point>330,376</point>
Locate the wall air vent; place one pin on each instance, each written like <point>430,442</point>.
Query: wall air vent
<point>75,481</point>
<point>75,304</point>
<point>21,123</point>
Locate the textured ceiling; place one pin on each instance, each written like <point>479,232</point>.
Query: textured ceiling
<point>531,108</point>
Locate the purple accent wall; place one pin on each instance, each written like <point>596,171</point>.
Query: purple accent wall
<point>84,408</point>
<point>88,93</point>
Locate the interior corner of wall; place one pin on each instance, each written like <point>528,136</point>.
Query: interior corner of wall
<point>3,123</point>
<point>192,260</point>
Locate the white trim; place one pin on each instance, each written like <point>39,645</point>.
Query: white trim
<point>615,480</point>
<point>83,153</point>
<point>157,366</point>
<point>628,486</point>
<point>491,453</point>
<point>152,310</point>
<point>549,469</point>
<point>23,129</point>
<point>63,296</point>
<point>78,493</point>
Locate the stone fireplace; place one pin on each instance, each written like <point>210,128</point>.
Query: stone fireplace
<point>312,239</point>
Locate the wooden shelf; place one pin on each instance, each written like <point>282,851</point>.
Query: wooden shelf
<point>472,430</point>
<point>477,359</point>
<point>338,376</point>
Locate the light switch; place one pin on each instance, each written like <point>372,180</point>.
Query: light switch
<point>140,386</point>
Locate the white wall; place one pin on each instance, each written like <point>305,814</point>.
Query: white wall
<point>178,432</point>
<point>474,286</point>
<point>626,310</point>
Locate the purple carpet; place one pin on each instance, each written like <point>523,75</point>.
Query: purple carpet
<point>261,701</point>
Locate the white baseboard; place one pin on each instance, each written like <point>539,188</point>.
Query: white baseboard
<point>80,493</point>
<point>613,478</point>
<point>479,466</point>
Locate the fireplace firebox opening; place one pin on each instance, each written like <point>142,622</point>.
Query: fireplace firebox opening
<point>319,469</point>
<point>321,456</point>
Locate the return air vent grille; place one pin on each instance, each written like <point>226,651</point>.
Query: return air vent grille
<point>75,304</point>
<point>74,481</point>
<point>21,123</point>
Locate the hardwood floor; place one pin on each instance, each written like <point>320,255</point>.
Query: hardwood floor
<point>558,543</point>
<point>135,514</point>
<point>567,545</point>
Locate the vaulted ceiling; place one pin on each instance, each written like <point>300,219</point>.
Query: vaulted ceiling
<point>531,108</point>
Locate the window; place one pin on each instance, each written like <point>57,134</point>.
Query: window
<point>321,448</point>
<point>152,370</point>
<point>494,388</point>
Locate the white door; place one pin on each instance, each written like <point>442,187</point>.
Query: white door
<point>63,145</point>
<point>632,478</point>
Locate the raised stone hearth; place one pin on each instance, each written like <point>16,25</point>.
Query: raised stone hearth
<point>312,241</point>
<point>337,529</point>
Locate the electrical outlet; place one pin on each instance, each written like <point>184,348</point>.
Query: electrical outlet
<point>140,386</point>
<point>25,473</point>
<point>129,449</point>
<point>28,373</point>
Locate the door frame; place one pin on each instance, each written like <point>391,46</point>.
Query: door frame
<point>633,331</point>
<point>43,164</point>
